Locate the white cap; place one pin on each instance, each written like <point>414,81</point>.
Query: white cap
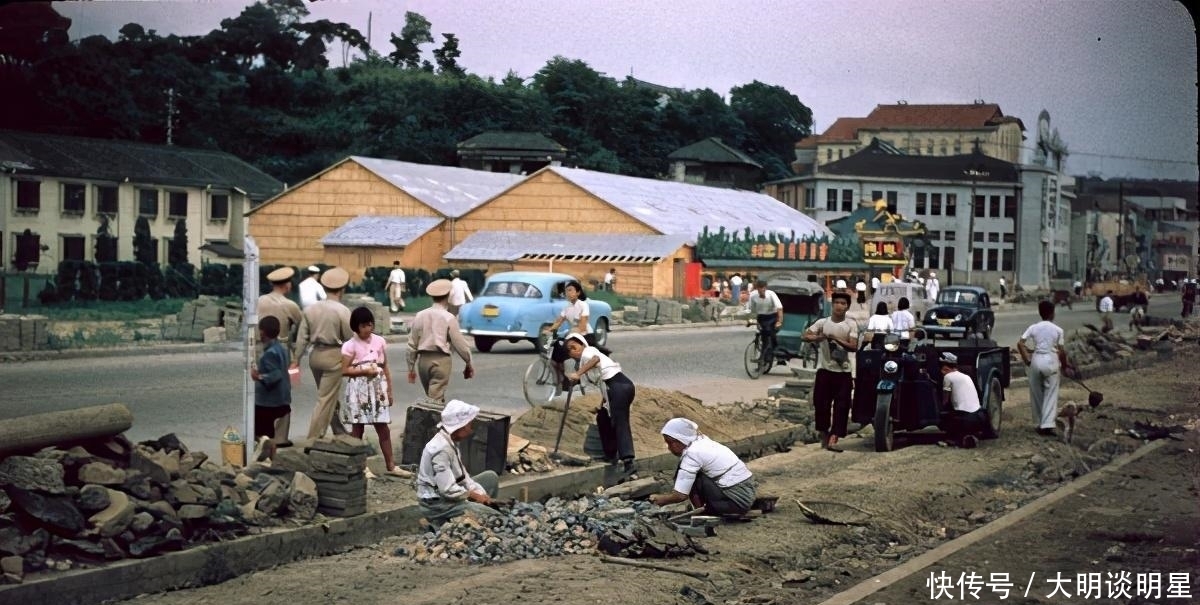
<point>949,358</point>
<point>841,284</point>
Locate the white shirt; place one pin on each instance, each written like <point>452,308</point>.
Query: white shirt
<point>963,395</point>
<point>713,460</point>
<point>460,293</point>
<point>764,304</point>
<point>931,288</point>
<point>847,329</point>
<point>571,314</point>
<point>397,276</point>
<point>874,283</point>
<point>311,291</point>
<point>736,280</point>
<point>608,277</point>
<point>903,320</point>
<point>879,323</point>
<point>441,473</point>
<point>608,367</point>
<point>1106,304</point>
<point>1042,338</point>
<point>1001,281</point>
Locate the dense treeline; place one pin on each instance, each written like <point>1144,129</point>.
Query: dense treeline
<point>261,87</point>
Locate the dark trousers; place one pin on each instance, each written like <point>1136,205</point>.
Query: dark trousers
<point>265,417</point>
<point>766,325</point>
<point>832,388</point>
<point>958,424</point>
<point>616,436</point>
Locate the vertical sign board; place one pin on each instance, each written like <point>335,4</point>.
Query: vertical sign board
<point>249,339</point>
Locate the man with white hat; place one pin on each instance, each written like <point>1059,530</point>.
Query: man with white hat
<point>395,287</point>
<point>964,419</point>
<point>460,293</point>
<point>277,304</point>
<point>444,489</point>
<point>709,474</point>
<point>433,335</point>
<point>326,325</point>
<point>932,286</point>
<point>310,289</point>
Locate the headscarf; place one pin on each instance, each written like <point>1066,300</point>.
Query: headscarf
<point>682,430</point>
<point>577,337</point>
<point>457,414</point>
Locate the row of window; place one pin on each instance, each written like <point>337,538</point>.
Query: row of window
<point>75,247</point>
<point>982,259</point>
<point>988,259</point>
<point>74,200</point>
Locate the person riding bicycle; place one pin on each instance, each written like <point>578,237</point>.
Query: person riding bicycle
<point>575,318</point>
<point>767,309</point>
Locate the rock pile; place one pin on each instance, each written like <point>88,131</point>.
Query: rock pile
<point>535,530</point>
<point>108,499</point>
<point>23,332</point>
<point>197,320</point>
<point>1086,346</point>
<point>337,466</point>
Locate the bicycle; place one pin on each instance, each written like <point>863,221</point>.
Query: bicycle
<point>759,360</point>
<point>541,381</point>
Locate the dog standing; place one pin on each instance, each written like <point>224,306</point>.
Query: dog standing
<point>1137,317</point>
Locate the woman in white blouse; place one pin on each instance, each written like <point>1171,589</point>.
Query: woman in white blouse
<point>709,474</point>
<point>902,319</point>
<point>617,391</point>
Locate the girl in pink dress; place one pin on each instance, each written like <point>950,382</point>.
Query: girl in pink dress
<point>367,397</point>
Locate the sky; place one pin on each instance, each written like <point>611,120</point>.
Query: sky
<point>1118,77</point>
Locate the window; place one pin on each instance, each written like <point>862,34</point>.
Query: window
<point>958,148</point>
<point>27,250</point>
<point>840,152</point>
<point>29,196</point>
<point>993,259</point>
<point>1009,238</point>
<point>942,147</point>
<point>1010,206</point>
<point>951,235</point>
<point>148,203</point>
<point>933,256</point>
<point>73,198</point>
<point>831,199</point>
<point>220,207</point>
<point>951,204</point>
<point>177,204</point>
<point>920,203</point>
<point>73,247</point>
<point>929,147</point>
<point>980,206</point>
<point>847,200</point>
<point>935,204</point>
<point>993,237</point>
<point>893,201</point>
<point>978,236</point>
<point>977,259</point>
<point>829,155</point>
<point>995,206</point>
<point>106,199</point>
<point>1006,262</point>
<point>948,258</point>
<point>876,195</point>
<point>933,234</point>
<point>810,197</point>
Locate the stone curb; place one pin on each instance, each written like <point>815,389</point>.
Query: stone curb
<point>215,563</point>
<point>872,585</point>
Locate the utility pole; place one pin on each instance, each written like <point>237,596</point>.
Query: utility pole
<point>1121,226</point>
<point>171,116</point>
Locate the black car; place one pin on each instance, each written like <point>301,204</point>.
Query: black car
<point>959,311</point>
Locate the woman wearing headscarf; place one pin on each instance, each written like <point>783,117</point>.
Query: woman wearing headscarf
<point>617,391</point>
<point>709,473</point>
<point>444,489</point>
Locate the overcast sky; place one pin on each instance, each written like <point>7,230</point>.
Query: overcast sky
<point>1118,77</point>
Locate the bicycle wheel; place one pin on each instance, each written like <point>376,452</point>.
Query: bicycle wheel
<point>753,361</point>
<point>808,355</point>
<point>538,383</point>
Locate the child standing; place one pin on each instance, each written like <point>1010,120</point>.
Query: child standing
<point>272,388</point>
<point>368,394</point>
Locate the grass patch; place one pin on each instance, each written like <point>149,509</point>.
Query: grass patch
<point>614,300</point>
<point>113,311</point>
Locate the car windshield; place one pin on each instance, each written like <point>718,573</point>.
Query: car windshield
<point>957,297</point>
<point>512,289</point>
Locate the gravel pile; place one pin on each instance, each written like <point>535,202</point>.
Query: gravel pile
<point>530,530</point>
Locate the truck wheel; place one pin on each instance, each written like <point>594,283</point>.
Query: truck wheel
<point>885,438</point>
<point>995,408</point>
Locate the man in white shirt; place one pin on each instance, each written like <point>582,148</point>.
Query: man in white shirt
<point>735,289</point>
<point>932,286</point>
<point>444,489</point>
<point>1042,348</point>
<point>311,290</point>
<point>874,284</point>
<point>768,310</point>
<point>964,419</point>
<point>836,337</point>
<point>709,474</point>
<point>1106,311</point>
<point>1003,289</point>
<point>396,287</point>
<point>460,293</point>
<point>608,279</point>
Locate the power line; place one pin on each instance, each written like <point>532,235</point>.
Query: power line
<point>1071,152</point>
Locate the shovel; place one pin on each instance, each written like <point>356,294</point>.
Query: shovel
<point>562,422</point>
<point>1094,397</point>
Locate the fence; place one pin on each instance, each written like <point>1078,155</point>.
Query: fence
<point>19,291</point>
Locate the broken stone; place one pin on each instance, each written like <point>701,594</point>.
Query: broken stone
<point>5,502</point>
<point>181,492</point>
<point>153,545</point>
<point>302,501</point>
<point>291,459</point>
<point>101,473</point>
<point>56,513</point>
<point>171,443</point>
<point>233,494</point>
<point>272,498</point>
<point>13,569</point>
<point>189,512</point>
<point>162,510</point>
<point>141,522</point>
<point>29,473</point>
<point>114,519</point>
<point>147,462</point>
<point>339,464</point>
<point>191,460</point>
<point>139,486</point>
<point>633,490</point>
<point>92,498</point>
<point>340,444</point>
<point>78,549</point>
<point>377,465</point>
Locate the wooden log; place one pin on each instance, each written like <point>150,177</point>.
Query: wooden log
<point>31,433</point>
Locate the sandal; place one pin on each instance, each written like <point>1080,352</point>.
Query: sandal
<point>399,472</point>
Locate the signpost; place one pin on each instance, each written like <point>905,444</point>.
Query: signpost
<point>249,340</point>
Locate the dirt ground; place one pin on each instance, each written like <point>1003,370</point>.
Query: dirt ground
<point>919,496</point>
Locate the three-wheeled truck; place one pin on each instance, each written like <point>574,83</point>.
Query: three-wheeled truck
<point>898,384</point>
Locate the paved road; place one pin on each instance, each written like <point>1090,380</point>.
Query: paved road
<point>197,394</point>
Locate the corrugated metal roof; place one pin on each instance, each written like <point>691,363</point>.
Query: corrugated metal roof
<point>449,190</point>
<point>581,247</point>
<point>671,207</point>
<point>381,231</point>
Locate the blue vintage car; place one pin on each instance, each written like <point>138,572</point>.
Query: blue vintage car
<point>516,305</point>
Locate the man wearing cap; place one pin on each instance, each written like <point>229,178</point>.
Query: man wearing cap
<point>310,289</point>
<point>396,287</point>
<point>460,293</point>
<point>434,334</point>
<point>444,489</point>
<point>932,286</point>
<point>326,325</point>
<point>709,474</point>
<point>837,336</point>
<point>964,419</point>
<point>276,304</point>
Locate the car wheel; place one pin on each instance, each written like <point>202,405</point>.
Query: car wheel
<point>600,334</point>
<point>483,344</point>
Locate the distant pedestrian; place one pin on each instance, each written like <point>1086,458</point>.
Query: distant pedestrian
<point>1043,349</point>
<point>311,290</point>
<point>326,326</point>
<point>1078,287</point>
<point>460,293</point>
<point>837,336</point>
<point>1106,311</point>
<point>880,322</point>
<point>1188,298</point>
<point>368,394</point>
<point>902,318</point>
<point>735,289</point>
<point>395,285</point>
<point>434,334</point>
<point>272,389</point>
<point>932,285</point>
<point>277,304</point>
<point>609,278</point>
<point>1003,289</point>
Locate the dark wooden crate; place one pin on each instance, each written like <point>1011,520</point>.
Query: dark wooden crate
<point>487,449</point>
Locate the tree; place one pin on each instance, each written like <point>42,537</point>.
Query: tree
<point>143,243</point>
<point>775,119</point>
<point>106,244</point>
<point>408,43</point>
<point>447,56</point>
<point>177,251</point>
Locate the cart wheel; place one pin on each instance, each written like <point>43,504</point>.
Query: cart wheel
<point>753,363</point>
<point>538,383</point>
<point>885,438</point>
<point>995,408</point>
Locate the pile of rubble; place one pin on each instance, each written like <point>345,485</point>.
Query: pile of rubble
<point>535,530</point>
<point>108,499</point>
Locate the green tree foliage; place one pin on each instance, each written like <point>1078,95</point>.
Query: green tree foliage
<point>143,244</point>
<point>447,56</point>
<point>775,120</point>
<point>408,43</point>
<point>177,250</point>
